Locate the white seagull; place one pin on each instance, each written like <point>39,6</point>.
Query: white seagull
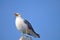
<point>24,26</point>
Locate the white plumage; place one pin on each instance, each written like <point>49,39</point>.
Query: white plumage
<point>20,25</point>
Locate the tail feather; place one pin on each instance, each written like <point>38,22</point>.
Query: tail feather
<point>33,33</point>
<point>36,35</point>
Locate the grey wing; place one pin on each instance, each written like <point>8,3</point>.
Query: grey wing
<point>29,25</point>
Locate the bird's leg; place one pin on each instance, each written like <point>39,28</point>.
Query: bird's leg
<point>22,34</point>
<point>26,33</point>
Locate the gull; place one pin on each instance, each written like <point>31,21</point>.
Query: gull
<point>24,26</point>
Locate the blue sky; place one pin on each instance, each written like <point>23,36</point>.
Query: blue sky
<point>44,15</point>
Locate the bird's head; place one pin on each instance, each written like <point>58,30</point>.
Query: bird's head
<point>17,14</point>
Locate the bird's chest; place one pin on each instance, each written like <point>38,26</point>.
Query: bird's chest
<point>21,25</point>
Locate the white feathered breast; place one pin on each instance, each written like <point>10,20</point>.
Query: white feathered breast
<point>20,24</point>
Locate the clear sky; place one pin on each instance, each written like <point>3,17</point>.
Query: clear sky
<point>44,15</point>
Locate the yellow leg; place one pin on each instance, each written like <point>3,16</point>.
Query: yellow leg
<point>22,34</point>
<point>26,33</point>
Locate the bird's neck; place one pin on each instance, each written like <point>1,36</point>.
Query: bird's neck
<point>20,18</point>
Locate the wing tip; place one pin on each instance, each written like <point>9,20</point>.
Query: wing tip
<point>38,35</point>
